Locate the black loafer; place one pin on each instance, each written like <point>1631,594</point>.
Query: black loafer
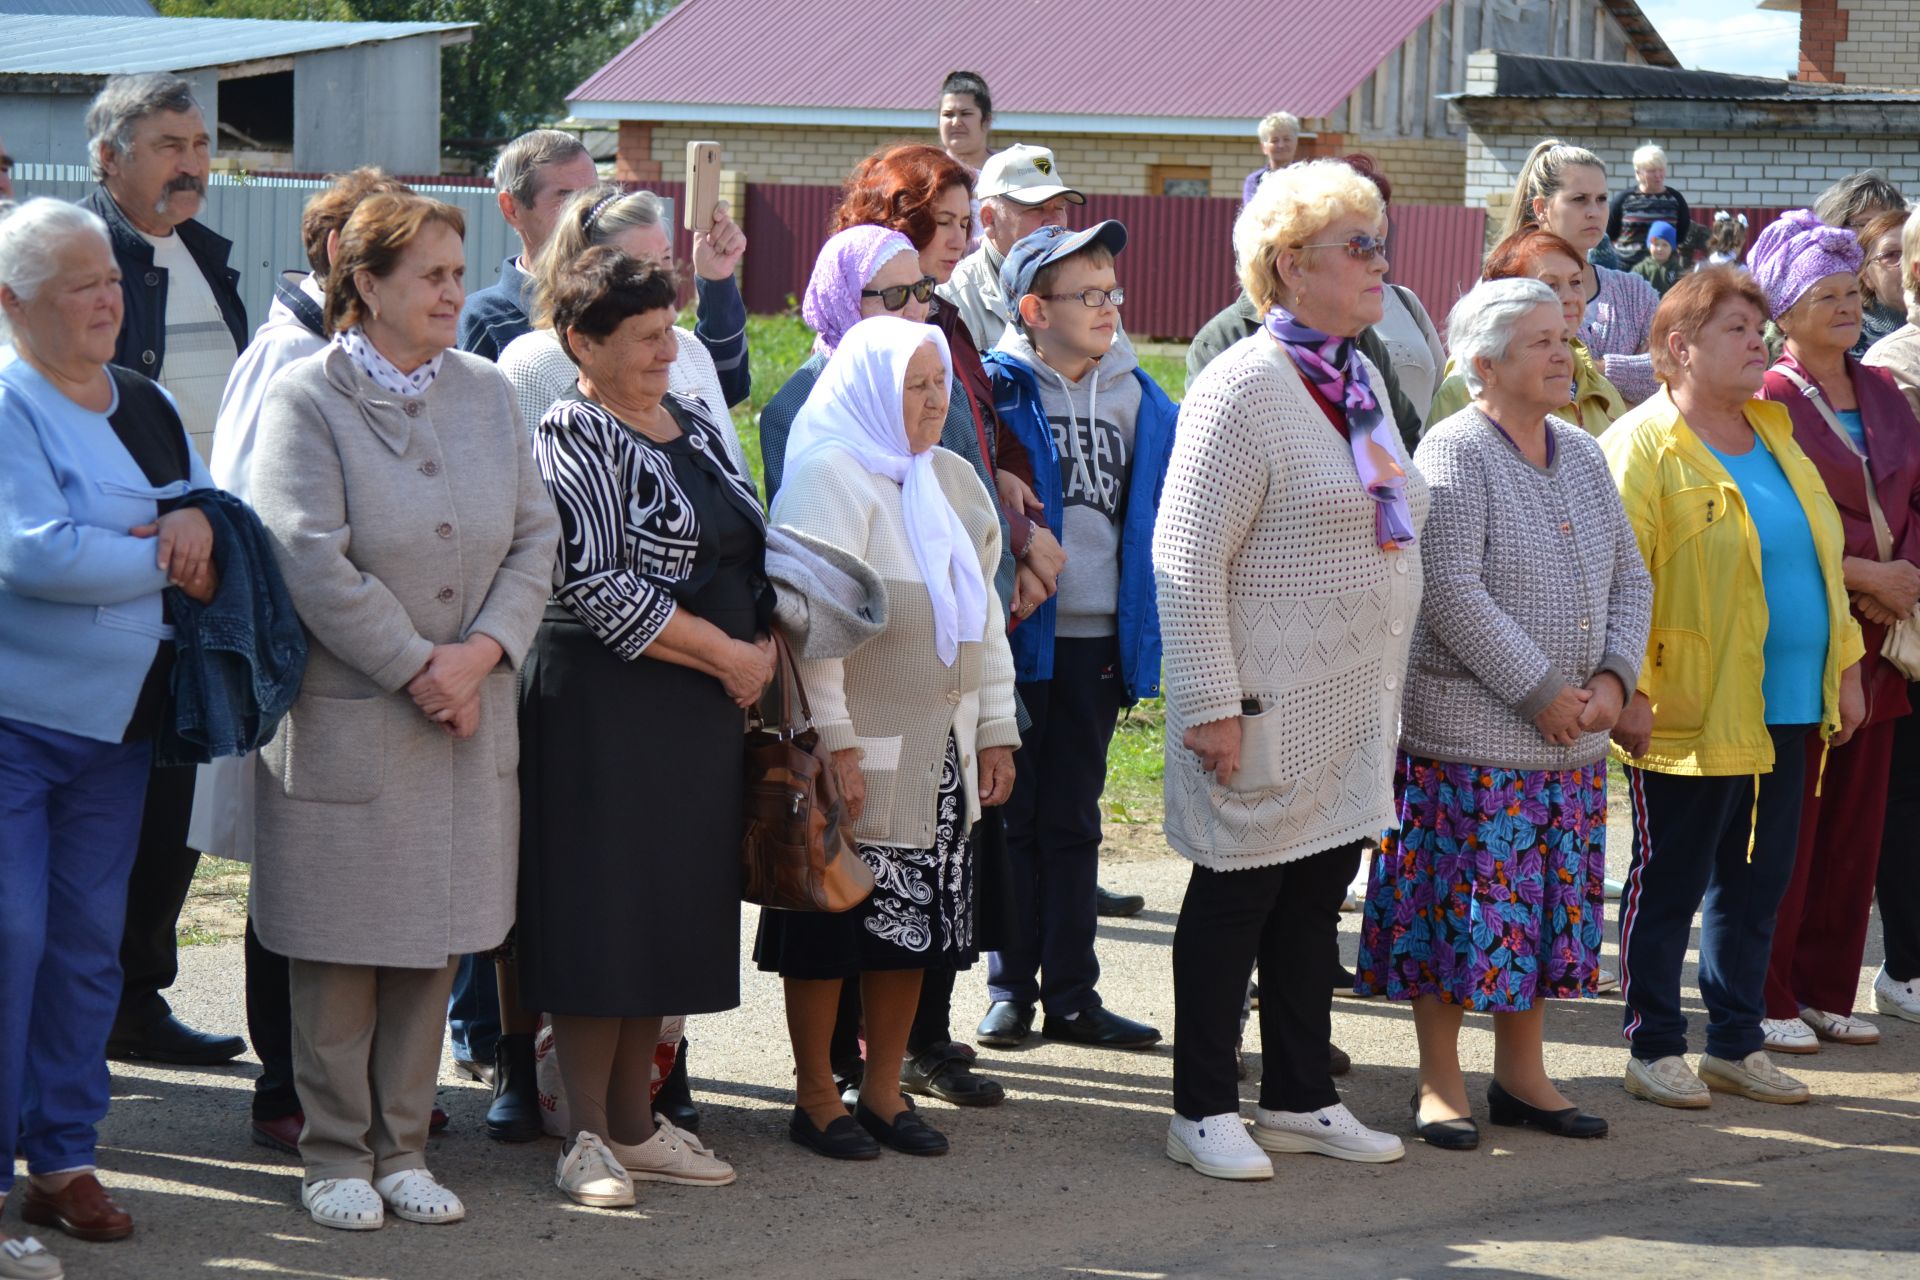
<point>842,1139</point>
<point>1108,903</point>
<point>675,1099</point>
<point>908,1134</point>
<point>1006,1025</point>
<point>1449,1135</point>
<point>1338,1063</point>
<point>514,1114</point>
<point>1103,1027</point>
<point>941,1071</point>
<point>172,1041</point>
<point>1504,1108</point>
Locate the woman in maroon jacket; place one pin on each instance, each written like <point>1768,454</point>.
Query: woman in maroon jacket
<point>1857,427</point>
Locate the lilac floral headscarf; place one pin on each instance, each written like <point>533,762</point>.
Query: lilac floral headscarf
<point>846,263</point>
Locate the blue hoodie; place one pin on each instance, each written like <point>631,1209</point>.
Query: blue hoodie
<point>1016,395</point>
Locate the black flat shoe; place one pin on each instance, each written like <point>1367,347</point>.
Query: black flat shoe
<point>842,1139</point>
<point>1108,903</point>
<point>1504,1108</point>
<point>1449,1135</point>
<point>908,1134</point>
<point>675,1099</point>
<point>514,1113</point>
<point>941,1071</point>
<point>1006,1025</point>
<point>172,1041</point>
<point>1338,1062</point>
<point>1100,1026</point>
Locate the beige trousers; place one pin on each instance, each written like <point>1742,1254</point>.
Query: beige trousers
<point>366,1058</point>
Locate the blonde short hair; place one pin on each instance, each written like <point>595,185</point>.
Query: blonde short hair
<point>1649,156</point>
<point>1909,262</point>
<point>1292,206</point>
<point>1277,123</point>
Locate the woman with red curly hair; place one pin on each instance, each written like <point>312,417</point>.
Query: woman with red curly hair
<point>925,195</point>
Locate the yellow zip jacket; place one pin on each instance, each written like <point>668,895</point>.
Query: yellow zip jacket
<point>1705,652</point>
<point>1596,403</point>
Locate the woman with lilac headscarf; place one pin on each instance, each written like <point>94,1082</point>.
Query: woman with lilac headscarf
<point>1289,582</point>
<point>1855,424</point>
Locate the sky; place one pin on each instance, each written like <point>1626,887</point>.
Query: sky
<point>1728,35</point>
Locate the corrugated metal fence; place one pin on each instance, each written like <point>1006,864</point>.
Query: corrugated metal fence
<point>262,218</point>
<point>1179,260</point>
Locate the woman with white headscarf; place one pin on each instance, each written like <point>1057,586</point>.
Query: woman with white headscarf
<point>920,719</point>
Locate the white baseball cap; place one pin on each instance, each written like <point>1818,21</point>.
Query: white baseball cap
<point>1024,174</point>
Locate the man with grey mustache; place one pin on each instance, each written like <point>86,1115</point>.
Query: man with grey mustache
<point>184,326</point>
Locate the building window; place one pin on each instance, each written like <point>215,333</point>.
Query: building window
<point>1179,180</point>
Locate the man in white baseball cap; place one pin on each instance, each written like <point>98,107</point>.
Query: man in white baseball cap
<point>1020,191</point>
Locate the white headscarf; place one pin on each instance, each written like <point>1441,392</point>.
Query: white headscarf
<point>856,406</point>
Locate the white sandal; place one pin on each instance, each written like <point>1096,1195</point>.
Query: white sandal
<point>351,1204</point>
<point>416,1196</point>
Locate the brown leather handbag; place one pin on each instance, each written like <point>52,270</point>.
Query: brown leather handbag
<point>794,853</point>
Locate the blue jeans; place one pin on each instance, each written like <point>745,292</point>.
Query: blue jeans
<point>1053,831</point>
<point>1690,840</point>
<point>69,823</point>
<point>473,1010</point>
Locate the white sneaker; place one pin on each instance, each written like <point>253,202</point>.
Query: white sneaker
<point>1754,1076</point>
<point>350,1204</point>
<point>590,1175</point>
<point>28,1259</point>
<point>1789,1035</point>
<point>1901,999</point>
<point>1217,1146</point>
<point>672,1155</point>
<point>1605,979</point>
<point>1841,1028</point>
<point>1667,1081</point>
<point>1613,889</point>
<point>1330,1131</point>
<point>417,1196</point>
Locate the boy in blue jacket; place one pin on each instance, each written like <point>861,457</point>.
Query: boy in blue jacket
<point>1100,431</point>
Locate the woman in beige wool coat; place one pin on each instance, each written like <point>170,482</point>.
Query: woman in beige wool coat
<point>417,541</point>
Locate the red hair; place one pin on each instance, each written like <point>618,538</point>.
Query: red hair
<point>1691,304</point>
<point>897,187</point>
<point>1520,253</point>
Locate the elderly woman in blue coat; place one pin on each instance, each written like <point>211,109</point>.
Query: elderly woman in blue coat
<point>89,542</point>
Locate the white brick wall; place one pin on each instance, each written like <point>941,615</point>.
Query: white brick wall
<point>1709,169</point>
<point>1882,45</point>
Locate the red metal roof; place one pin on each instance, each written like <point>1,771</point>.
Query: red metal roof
<point>1225,59</point>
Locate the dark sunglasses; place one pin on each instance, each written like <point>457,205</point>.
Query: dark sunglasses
<point>894,296</point>
<point>1358,247</point>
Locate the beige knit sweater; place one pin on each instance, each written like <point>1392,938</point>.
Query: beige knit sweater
<point>893,698</point>
<point>1272,586</point>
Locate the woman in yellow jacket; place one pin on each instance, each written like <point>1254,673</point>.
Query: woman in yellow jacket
<point>1753,645</point>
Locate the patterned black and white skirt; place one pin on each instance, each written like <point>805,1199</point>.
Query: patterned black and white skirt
<point>921,914</point>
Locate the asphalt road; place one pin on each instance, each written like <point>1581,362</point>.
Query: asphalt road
<point>1068,1178</point>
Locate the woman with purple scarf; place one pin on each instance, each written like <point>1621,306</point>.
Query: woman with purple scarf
<point>1289,584</point>
<point>1489,895</point>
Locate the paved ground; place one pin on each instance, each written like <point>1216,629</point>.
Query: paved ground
<point>1068,1179</point>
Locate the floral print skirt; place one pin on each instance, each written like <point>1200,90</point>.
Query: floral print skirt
<point>921,914</point>
<point>1491,892</point>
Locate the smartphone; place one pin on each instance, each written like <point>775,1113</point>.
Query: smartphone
<point>703,185</point>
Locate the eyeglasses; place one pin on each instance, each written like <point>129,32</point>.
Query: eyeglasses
<point>894,296</point>
<point>1091,297</point>
<point>1891,258</point>
<point>1358,247</point>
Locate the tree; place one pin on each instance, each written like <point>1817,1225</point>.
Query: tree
<point>515,74</point>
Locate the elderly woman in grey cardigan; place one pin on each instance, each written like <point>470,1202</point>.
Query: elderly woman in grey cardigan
<point>1489,895</point>
<point>394,479</point>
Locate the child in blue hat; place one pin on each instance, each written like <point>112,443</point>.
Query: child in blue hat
<point>1662,267</point>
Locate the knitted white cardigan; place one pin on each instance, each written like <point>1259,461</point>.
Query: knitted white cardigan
<point>1272,586</point>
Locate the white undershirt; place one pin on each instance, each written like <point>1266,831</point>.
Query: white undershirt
<point>199,350</point>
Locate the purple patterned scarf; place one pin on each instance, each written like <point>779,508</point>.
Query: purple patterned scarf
<point>1333,365</point>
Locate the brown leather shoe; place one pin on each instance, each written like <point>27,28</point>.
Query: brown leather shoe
<point>82,1209</point>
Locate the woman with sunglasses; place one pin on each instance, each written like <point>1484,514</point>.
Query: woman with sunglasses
<point>1289,584</point>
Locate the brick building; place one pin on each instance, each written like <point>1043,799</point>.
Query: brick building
<point>1136,97</point>
<point>1730,140</point>
<point>1857,42</point>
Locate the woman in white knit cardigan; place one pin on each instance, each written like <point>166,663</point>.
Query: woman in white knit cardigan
<point>1289,586</point>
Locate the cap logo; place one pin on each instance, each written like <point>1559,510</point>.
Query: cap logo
<point>1043,164</point>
